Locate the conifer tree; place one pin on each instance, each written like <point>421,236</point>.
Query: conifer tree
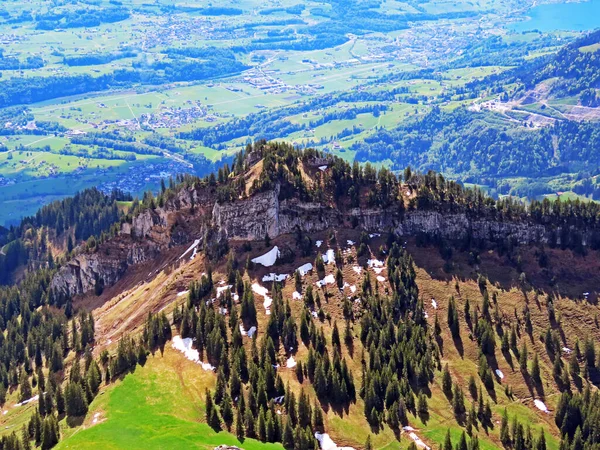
<point>227,411</point>
<point>535,369</point>
<point>249,424</point>
<point>448,441</point>
<point>504,431</point>
<point>447,382</point>
<point>214,421</point>
<point>462,443</point>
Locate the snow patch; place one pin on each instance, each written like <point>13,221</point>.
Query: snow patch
<point>182,293</point>
<point>349,242</point>
<point>374,235</point>
<point>262,291</point>
<point>290,363</point>
<point>269,258</point>
<point>329,279</point>
<point>275,277</point>
<point>185,347</point>
<point>500,374</point>
<point>296,295</point>
<point>540,405</point>
<point>329,256</point>
<point>566,350</point>
<point>377,270</point>
<point>417,440</point>
<point>251,332</point>
<point>29,400</point>
<point>190,248</point>
<point>222,289</point>
<point>318,243</point>
<point>327,443</point>
<point>375,263</point>
<point>380,278</point>
<point>305,268</point>
<point>357,269</point>
<point>433,303</point>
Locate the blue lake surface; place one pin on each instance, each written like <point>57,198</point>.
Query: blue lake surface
<point>583,16</point>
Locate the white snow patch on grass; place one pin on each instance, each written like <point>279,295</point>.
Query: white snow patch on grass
<point>185,347</point>
<point>329,279</point>
<point>349,242</point>
<point>262,291</point>
<point>275,277</point>
<point>329,256</point>
<point>319,243</point>
<point>29,400</point>
<point>290,363</point>
<point>433,303</point>
<point>375,263</point>
<point>500,374</point>
<point>357,269</point>
<point>251,332</point>
<point>417,440</point>
<point>327,443</point>
<point>222,289</point>
<point>540,405</point>
<point>269,258</point>
<point>182,293</point>
<point>190,248</point>
<point>296,295</point>
<point>305,268</point>
<point>380,278</point>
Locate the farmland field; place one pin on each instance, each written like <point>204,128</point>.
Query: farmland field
<point>157,82</point>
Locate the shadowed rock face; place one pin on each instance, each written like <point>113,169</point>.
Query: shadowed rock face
<point>152,232</point>
<point>86,270</point>
<point>252,218</point>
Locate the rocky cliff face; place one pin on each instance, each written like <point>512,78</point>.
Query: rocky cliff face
<point>148,234</point>
<point>251,219</point>
<point>86,270</point>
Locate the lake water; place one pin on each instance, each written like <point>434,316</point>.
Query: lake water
<point>581,16</point>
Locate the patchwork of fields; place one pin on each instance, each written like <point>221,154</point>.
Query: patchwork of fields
<point>139,82</point>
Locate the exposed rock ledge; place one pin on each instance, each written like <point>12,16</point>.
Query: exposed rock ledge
<point>251,219</point>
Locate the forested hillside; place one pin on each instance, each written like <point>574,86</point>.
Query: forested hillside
<point>411,339</point>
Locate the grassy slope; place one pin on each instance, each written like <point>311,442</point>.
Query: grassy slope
<point>160,405</point>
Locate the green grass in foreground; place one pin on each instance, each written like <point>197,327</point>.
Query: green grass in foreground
<point>157,407</point>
